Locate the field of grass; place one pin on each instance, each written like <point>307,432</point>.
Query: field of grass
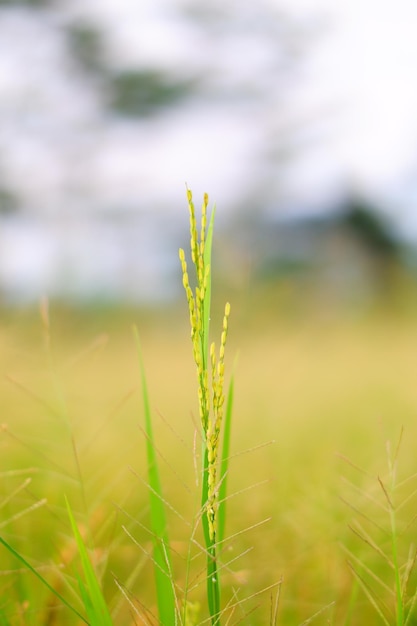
<point>312,493</point>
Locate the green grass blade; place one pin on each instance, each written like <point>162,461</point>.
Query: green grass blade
<point>89,609</point>
<point>28,566</point>
<point>224,463</point>
<point>91,593</point>
<point>213,585</point>
<point>163,570</point>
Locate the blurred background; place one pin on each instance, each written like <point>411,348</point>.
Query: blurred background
<point>298,118</point>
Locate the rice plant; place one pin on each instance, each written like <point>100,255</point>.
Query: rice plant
<point>210,368</point>
<point>215,414</point>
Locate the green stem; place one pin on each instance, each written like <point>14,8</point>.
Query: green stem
<point>213,583</point>
<point>213,588</point>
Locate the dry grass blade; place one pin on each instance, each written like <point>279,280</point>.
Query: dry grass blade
<point>368,571</point>
<point>143,620</point>
<point>364,494</point>
<point>256,594</point>
<point>273,620</point>
<point>20,514</point>
<point>386,494</point>
<point>372,597</point>
<point>360,532</point>
<point>317,614</point>
<point>363,515</point>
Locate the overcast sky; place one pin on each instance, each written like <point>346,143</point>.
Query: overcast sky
<point>367,62</point>
<point>357,77</point>
<point>356,80</point>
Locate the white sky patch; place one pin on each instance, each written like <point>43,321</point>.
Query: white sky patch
<point>361,74</point>
<point>201,147</point>
<point>357,73</point>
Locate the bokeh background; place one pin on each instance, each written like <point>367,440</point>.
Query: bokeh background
<point>297,117</point>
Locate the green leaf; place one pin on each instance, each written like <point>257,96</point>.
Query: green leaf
<point>162,556</point>
<point>94,602</point>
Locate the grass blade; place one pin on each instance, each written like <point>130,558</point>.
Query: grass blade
<point>370,594</point>
<point>162,569</point>
<point>28,566</point>
<point>90,590</point>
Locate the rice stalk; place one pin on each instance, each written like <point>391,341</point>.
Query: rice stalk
<point>210,376</point>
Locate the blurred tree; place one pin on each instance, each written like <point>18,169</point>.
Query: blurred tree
<point>137,92</point>
<point>85,44</point>
<point>364,223</point>
<point>8,202</point>
<point>143,92</point>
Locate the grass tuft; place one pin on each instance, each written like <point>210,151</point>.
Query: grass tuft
<point>385,575</point>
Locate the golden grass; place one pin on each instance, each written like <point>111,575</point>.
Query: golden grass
<point>309,390</point>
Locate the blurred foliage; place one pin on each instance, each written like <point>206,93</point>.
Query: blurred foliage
<point>8,202</point>
<point>86,46</point>
<point>133,92</point>
<point>365,224</point>
<point>386,253</point>
<point>141,92</point>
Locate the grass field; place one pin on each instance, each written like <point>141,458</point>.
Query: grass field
<point>316,401</point>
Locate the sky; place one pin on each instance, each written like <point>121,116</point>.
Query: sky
<point>367,62</point>
<point>303,103</point>
<point>362,70</point>
<point>359,71</point>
